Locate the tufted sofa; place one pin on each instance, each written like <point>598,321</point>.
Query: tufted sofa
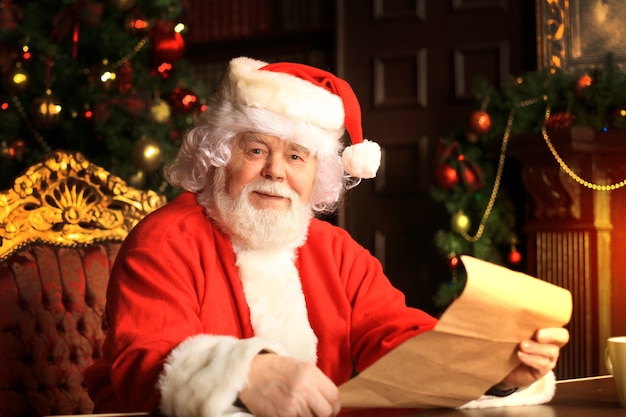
<point>60,229</point>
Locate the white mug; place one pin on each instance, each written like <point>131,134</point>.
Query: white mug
<point>615,358</point>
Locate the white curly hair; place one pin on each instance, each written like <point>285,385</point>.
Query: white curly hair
<point>207,147</point>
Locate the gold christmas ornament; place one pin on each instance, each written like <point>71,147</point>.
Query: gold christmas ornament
<point>103,75</point>
<point>46,111</point>
<point>147,154</point>
<point>160,110</point>
<point>107,78</point>
<point>16,80</point>
<point>460,223</point>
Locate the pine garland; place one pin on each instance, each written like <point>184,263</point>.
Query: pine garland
<point>589,97</point>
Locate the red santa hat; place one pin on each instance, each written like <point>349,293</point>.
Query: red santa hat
<point>302,103</point>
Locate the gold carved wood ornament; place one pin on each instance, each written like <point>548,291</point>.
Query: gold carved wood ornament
<point>68,201</point>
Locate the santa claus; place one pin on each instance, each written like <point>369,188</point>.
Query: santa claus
<point>235,298</point>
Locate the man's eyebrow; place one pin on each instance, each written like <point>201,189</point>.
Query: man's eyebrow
<point>251,137</point>
<point>299,148</point>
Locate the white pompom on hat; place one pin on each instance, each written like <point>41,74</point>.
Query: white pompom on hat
<point>321,102</point>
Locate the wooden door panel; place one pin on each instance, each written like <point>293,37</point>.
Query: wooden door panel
<point>411,63</point>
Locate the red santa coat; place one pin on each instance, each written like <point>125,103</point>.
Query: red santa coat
<point>187,313</point>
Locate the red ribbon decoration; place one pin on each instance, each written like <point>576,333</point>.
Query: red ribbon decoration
<point>472,174</point>
<point>446,149</point>
<point>135,105</point>
<point>70,18</point>
<point>9,15</point>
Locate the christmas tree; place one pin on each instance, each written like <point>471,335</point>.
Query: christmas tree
<point>108,79</point>
<point>471,160</point>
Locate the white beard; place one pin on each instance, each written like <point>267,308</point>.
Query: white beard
<point>265,243</point>
<point>251,228</point>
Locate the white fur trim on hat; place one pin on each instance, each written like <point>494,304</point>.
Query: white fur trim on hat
<point>237,117</point>
<point>284,94</point>
<point>204,374</point>
<point>362,160</point>
<point>540,392</point>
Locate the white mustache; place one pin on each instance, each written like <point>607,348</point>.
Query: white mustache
<point>271,188</point>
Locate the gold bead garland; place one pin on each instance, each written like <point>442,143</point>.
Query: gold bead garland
<point>496,185</point>
<point>505,139</point>
<point>567,169</point>
<point>31,127</point>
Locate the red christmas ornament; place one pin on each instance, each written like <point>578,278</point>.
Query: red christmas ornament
<point>453,261</point>
<point>446,177</point>
<point>87,114</point>
<point>581,85</point>
<point>164,70</point>
<point>479,122</point>
<point>137,24</point>
<point>167,44</point>
<point>514,256</point>
<point>183,101</point>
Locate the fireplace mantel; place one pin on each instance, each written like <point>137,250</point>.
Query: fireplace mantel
<point>574,233</point>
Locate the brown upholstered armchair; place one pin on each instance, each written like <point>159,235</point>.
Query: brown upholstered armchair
<point>60,229</point>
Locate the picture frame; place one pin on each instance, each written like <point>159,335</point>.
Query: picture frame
<point>574,34</point>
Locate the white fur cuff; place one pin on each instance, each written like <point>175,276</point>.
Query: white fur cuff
<point>203,375</point>
<point>540,392</point>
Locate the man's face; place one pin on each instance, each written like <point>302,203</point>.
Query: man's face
<point>256,156</point>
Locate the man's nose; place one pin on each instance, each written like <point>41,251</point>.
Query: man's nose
<point>274,168</point>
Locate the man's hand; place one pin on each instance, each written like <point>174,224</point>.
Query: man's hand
<point>281,386</point>
<point>538,356</point>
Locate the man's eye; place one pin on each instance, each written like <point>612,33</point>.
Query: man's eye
<point>295,157</point>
